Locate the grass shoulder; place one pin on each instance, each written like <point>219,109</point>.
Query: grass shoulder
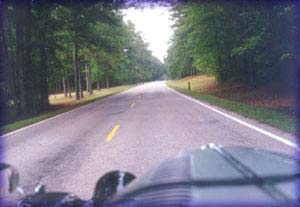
<point>60,104</point>
<point>200,90</point>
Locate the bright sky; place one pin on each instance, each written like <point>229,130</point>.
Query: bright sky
<point>155,26</point>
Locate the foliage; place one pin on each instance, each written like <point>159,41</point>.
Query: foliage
<point>51,46</point>
<point>251,42</point>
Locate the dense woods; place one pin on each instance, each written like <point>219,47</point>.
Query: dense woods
<point>49,47</point>
<point>55,46</point>
<point>252,42</point>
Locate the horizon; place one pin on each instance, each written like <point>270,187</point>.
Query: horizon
<point>155,27</point>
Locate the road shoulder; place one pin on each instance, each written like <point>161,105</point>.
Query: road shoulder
<point>270,131</point>
<point>45,116</point>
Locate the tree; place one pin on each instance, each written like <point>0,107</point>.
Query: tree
<point>244,41</point>
<point>51,47</point>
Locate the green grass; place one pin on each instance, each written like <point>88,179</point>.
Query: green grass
<point>264,115</point>
<point>60,104</point>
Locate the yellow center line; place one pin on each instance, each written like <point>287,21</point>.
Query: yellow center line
<point>132,105</point>
<point>112,133</point>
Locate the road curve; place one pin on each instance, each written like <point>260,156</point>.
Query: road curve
<point>132,131</point>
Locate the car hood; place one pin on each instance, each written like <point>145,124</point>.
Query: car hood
<point>215,174</point>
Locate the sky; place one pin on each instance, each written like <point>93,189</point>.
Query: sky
<point>155,26</point>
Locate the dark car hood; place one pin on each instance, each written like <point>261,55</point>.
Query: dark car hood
<point>215,174</point>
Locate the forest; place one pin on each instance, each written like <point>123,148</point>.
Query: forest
<point>252,42</point>
<point>55,46</point>
<point>50,47</point>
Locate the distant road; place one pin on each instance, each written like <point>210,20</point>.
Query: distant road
<point>131,131</point>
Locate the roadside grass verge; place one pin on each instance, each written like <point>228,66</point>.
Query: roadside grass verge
<point>60,104</point>
<point>265,115</point>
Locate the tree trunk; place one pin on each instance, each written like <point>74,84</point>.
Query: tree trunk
<point>20,54</point>
<point>42,90</point>
<point>89,75</point>
<point>2,40</point>
<point>248,74</point>
<point>69,88</point>
<point>30,76</point>
<point>13,72</point>
<point>76,68</point>
<point>79,81</point>
<point>106,77</point>
<point>98,72</point>
<point>98,85</point>
<point>65,87</point>
<point>4,75</point>
<point>86,72</point>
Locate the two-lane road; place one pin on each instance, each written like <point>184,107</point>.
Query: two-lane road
<point>130,131</point>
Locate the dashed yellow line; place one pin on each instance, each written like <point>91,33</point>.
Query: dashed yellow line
<point>132,105</point>
<point>112,133</point>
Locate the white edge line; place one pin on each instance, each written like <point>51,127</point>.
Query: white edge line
<point>255,128</point>
<point>58,115</point>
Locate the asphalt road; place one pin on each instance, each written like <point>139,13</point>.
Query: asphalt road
<point>71,151</point>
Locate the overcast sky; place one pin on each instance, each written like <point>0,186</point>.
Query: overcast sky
<point>155,26</point>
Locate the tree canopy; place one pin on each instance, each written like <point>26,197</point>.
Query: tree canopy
<point>48,46</point>
<point>247,41</point>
